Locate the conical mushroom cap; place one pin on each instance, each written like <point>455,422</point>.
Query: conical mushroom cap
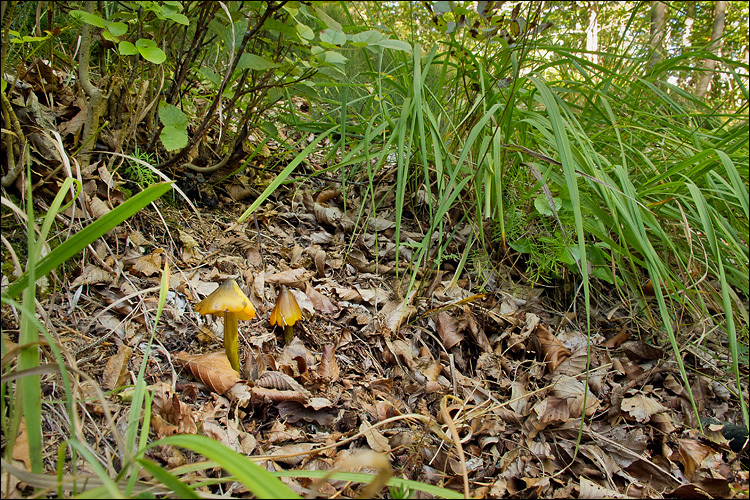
<point>227,298</point>
<point>287,311</point>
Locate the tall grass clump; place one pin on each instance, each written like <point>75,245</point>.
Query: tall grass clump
<point>606,174</point>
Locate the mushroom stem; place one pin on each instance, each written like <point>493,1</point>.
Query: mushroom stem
<point>288,334</point>
<point>231,340</point>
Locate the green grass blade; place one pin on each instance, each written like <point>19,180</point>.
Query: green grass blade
<point>258,480</point>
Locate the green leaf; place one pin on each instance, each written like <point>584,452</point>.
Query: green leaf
<point>150,51</point>
<point>305,32</point>
<point>89,234</point>
<point>109,37</point>
<point>369,37</point>
<point>332,38</point>
<point>174,134</point>
<point>178,18</point>
<point>334,57</point>
<point>328,20</point>
<point>251,61</point>
<point>127,48</point>
<point>542,205</point>
<point>117,29</point>
<point>394,44</point>
<point>87,18</point>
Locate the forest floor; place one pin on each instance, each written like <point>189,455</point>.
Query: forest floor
<point>376,364</point>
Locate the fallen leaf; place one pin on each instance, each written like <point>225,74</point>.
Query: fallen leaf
<point>447,328</point>
<point>375,440</point>
<point>115,372</point>
<point>320,302</point>
<point>213,369</point>
<point>641,407</point>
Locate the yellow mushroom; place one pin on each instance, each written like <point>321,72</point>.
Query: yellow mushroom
<point>286,313</point>
<point>232,304</point>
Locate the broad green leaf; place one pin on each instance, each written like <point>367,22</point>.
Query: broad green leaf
<point>117,29</point>
<point>305,32</point>
<point>91,19</point>
<point>150,51</point>
<point>331,38</point>
<point>174,134</point>
<point>334,57</point>
<point>394,44</point>
<point>251,61</point>
<point>542,205</point>
<point>127,48</point>
<point>178,18</point>
<point>369,37</point>
<point>330,22</point>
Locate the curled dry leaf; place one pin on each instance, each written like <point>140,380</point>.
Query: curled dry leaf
<point>212,369</point>
<point>328,369</point>
<point>395,313</point>
<point>319,257</point>
<point>98,208</point>
<point>264,395</point>
<point>375,440</point>
<point>320,302</point>
<point>278,380</point>
<point>447,328</point>
<point>116,370</point>
<point>327,215</point>
<point>169,415</point>
<point>91,275</point>
<point>548,348</point>
<point>148,265</point>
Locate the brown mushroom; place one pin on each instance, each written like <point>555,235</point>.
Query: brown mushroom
<point>230,302</point>
<point>286,313</point>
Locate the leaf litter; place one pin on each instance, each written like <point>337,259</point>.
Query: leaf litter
<point>480,390</point>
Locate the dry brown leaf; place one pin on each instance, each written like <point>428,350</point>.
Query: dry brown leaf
<point>318,256</point>
<point>589,489</point>
<point>328,369</point>
<point>279,380</point>
<point>282,453</point>
<point>263,395</point>
<point>91,275</point>
<point>213,369</point>
<point>169,415</point>
<point>641,407</point>
<point>320,302</point>
<point>115,372</point>
<point>447,328</point>
<point>98,208</point>
<point>291,277</point>
<point>394,313</point>
<point>148,265</point>
<point>375,440</point>
<point>191,253</point>
<point>294,411</point>
<point>548,348</point>
<point>374,296</point>
<point>21,446</point>
<point>327,215</point>
<point>571,389</point>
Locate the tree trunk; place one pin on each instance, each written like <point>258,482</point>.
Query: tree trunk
<point>658,22</point>
<point>715,47</point>
<point>592,32</point>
